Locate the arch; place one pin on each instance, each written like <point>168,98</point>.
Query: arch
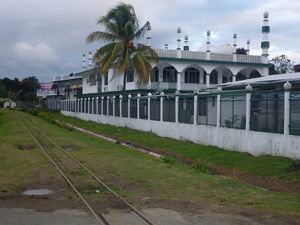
<point>247,73</point>
<point>155,74</point>
<point>240,76</point>
<point>254,74</point>
<point>223,75</point>
<point>170,74</point>
<point>213,77</point>
<point>194,74</point>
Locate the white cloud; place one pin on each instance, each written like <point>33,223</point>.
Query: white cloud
<point>40,52</point>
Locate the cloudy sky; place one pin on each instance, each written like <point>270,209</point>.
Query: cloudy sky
<point>46,38</point>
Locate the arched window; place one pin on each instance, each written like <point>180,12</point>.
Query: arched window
<point>192,75</point>
<point>155,75</point>
<point>213,78</point>
<point>254,74</point>
<point>224,79</point>
<point>204,77</point>
<point>129,75</point>
<point>240,76</point>
<point>170,74</point>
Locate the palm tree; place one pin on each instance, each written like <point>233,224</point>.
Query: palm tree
<point>121,53</point>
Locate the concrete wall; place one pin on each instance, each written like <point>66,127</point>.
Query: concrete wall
<point>256,143</point>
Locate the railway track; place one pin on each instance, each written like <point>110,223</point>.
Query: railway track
<point>46,143</point>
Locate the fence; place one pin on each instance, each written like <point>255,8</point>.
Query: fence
<point>272,112</point>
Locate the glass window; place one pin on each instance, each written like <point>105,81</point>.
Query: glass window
<point>155,75</point>
<point>170,74</point>
<point>130,75</point>
<point>192,75</point>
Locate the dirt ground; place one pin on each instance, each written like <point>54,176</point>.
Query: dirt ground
<point>52,210</point>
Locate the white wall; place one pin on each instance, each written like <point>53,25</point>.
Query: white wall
<point>256,143</point>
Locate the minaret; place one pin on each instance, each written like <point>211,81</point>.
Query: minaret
<point>208,41</point>
<point>149,36</point>
<point>178,38</point>
<point>90,60</point>
<point>234,36</point>
<point>186,43</point>
<point>166,46</point>
<point>248,47</point>
<point>83,62</point>
<point>265,44</point>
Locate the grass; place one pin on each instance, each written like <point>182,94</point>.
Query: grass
<point>136,175</point>
<point>264,165</point>
<point>19,169</point>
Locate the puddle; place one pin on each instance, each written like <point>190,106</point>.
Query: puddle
<point>38,192</point>
<point>25,147</point>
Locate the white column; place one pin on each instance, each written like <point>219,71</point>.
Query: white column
<point>149,104</point>
<point>138,105</point>
<point>114,102</point>
<point>207,80</point>
<point>102,100</point>
<point>195,108</point>
<point>129,99</point>
<point>219,107</point>
<point>97,105</point>
<point>178,81</point>
<point>248,106</point>
<point>287,91</point>
<point>120,104</point>
<point>82,105</point>
<point>234,78</point>
<point>161,105</point>
<point>102,84</point>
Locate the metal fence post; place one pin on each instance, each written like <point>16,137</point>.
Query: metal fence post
<point>161,105</point>
<point>107,105</point>
<point>88,105</point>
<point>219,106</point>
<point>92,108</point>
<point>120,105</point>
<point>97,105</point>
<point>177,106</point>
<point>149,102</point>
<point>102,98</point>
<point>138,105</point>
<point>195,108</point>
<point>129,99</point>
<point>114,102</point>
<point>248,106</point>
<point>287,92</point>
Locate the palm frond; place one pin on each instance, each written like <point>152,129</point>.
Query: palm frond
<point>100,36</point>
<point>141,32</point>
<point>142,67</point>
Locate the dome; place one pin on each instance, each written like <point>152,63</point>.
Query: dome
<point>203,48</point>
<point>225,49</point>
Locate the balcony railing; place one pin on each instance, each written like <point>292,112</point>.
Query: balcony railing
<point>213,56</point>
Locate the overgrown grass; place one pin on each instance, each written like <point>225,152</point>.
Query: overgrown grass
<point>19,168</point>
<point>136,175</point>
<point>264,165</point>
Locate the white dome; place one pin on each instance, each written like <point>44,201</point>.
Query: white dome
<point>225,49</point>
<point>203,48</point>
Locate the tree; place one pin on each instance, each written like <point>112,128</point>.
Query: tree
<point>121,53</point>
<point>297,68</point>
<point>241,51</point>
<point>282,64</point>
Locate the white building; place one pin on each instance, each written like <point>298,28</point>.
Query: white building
<point>9,104</point>
<point>186,70</point>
